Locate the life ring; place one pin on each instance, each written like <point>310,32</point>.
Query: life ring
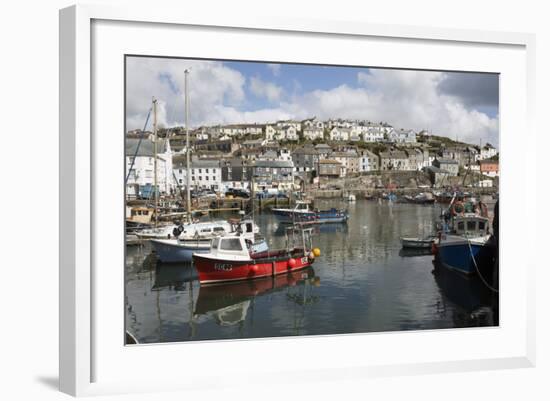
<point>454,210</point>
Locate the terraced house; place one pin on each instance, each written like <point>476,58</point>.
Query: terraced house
<point>273,174</point>
<point>394,160</point>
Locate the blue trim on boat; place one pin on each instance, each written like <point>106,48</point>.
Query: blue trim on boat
<point>458,256</point>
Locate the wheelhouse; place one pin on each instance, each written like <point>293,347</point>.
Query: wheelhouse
<point>471,226</point>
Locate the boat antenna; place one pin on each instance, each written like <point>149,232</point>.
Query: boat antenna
<point>187,146</point>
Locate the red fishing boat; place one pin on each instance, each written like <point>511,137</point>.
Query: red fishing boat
<point>230,258</point>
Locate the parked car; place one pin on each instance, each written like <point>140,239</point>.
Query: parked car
<point>237,193</point>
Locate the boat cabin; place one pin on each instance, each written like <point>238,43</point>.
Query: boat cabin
<point>142,215</point>
<point>471,225</point>
<point>232,247</point>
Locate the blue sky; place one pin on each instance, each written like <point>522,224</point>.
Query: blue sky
<point>446,103</point>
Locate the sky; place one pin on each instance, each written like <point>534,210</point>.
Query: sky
<point>458,105</point>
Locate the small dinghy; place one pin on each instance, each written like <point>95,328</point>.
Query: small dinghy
<point>417,243</point>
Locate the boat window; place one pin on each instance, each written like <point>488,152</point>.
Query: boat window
<point>481,225</point>
<point>248,227</point>
<point>231,244</point>
<point>460,226</point>
<point>219,229</point>
<point>215,243</point>
<point>471,225</point>
<point>206,230</point>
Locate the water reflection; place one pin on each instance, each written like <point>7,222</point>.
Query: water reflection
<point>229,303</point>
<point>363,282</point>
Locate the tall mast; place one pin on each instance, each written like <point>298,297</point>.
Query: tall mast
<point>155,158</point>
<point>188,175</point>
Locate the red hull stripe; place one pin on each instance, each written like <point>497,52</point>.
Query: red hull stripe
<point>212,270</point>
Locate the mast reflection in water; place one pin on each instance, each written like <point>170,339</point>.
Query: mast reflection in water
<point>363,282</point>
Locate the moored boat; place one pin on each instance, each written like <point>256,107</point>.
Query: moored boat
<point>230,259</point>
<point>417,243</point>
<point>197,239</point>
<point>424,198</point>
<point>461,247</point>
<point>301,213</point>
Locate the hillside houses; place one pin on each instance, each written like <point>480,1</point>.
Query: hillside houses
<point>227,156</point>
<point>340,133</point>
<point>402,136</point>
<point>368,161</point>
<point>313,133</point>
<point>449,165</point>
<point>487,151</point>
<point>349,160</point>
<point>305,159</point>
<point>140,165</point>
<point>394,160</point>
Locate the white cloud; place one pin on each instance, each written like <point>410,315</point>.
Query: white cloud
<point>405,99</point>
<point>265,89</point>
<point>275,69</point>
<point>210,84</point>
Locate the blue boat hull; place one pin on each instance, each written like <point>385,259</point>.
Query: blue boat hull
<point>170,252</point>
<point>459,257</point>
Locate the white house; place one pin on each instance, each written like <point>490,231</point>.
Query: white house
<point>402,136</point>
<point>340,134</point>
<point>487,152</point>
<point>313,123</point>
<point>313,133</point>
<point>374,134</point>
<point>287,132</point>
<point>140,165</point>
<point>270,132</point>
<point>297,125</point>
<point>205,174</point>
<point>369,161</point>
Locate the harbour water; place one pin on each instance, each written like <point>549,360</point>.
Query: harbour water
<point>362,282</point>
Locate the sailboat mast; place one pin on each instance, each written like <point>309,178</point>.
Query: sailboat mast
<point>155,158</point>
<point>188,175</point>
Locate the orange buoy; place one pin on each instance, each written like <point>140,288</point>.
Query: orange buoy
<point>292,262</point>
<point>457,205</point>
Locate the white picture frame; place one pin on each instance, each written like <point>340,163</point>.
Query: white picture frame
<point>86,333</point>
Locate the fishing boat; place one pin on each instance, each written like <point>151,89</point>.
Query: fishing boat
<point>301,213</point>
<point>423,198</point>
<point>231,258</point>
<point>461,246</point>
<point>417,243</point>
<point>197,238</point>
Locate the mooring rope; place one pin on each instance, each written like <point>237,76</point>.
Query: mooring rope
<point>477,269</point>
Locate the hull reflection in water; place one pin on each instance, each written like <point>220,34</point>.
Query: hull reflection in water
<point>173,276</point>
<point>410,252</point>
<point>467,292</point>
<point>229,302</point>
